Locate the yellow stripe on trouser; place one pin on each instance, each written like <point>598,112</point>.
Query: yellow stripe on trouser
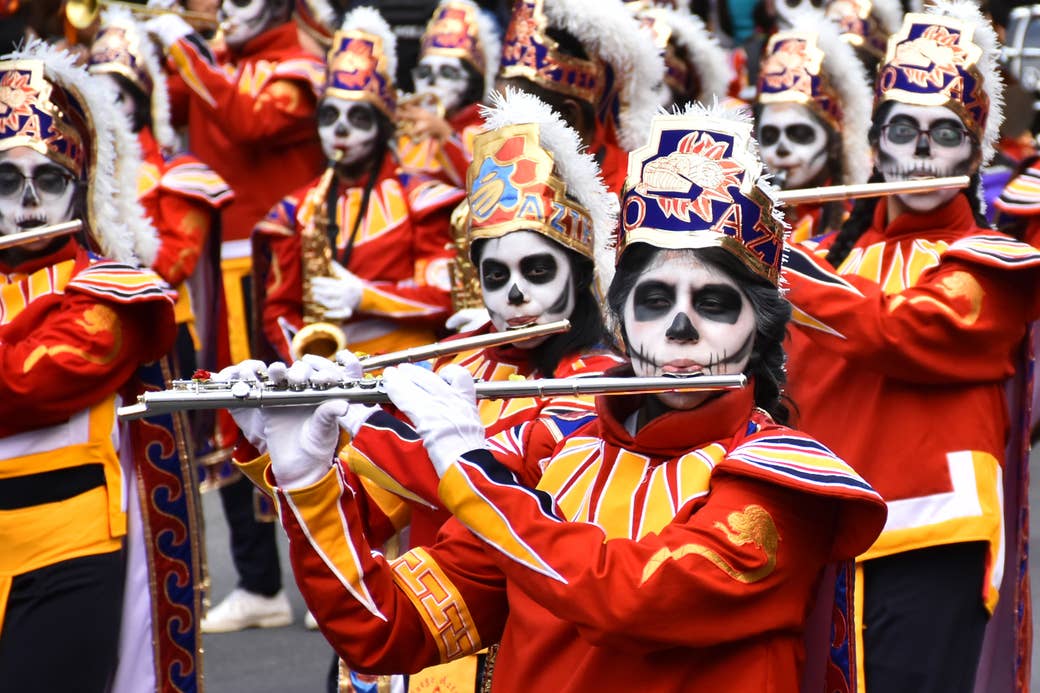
<point>235,270</point>
<point>5,592</point>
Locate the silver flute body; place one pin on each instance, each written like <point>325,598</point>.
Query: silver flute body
<point>40,233</point>
<point>831,193</point>
<point>201,394</point>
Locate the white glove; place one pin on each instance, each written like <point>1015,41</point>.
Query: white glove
<point>168,28</point>
<point>468,319</point>
<point>357,414</point>
<point>162,4</point>
<point>442,407</point>
<point>249,419</point>
<point>302,439</point>
<point>339,295</point>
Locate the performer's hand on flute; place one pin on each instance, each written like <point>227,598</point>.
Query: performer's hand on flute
<point>443,408</point>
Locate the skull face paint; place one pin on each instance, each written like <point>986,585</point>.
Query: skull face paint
<point>445,77</point>
<point>244,20</point>
<point>348,130</point>
<point>526,280</point>
<point>34,191</point>
<point>793,144</point>
<point>685,316</point>
<point>924,142</point>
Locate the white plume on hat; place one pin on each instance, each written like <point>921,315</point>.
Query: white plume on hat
<point>116,219</point>
<point>889,14</point>
<point>609,31</point>
<point>708,58</point>
<point>369,20</point>
<point>576,168</point>
<point>163,131</point>
<point>985,38</point>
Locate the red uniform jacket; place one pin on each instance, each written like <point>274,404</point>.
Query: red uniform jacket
<point>681,558</point>
<point>250,118</point>
<point>400,250</point>
<point>377,445</point>
<point>898,363</point>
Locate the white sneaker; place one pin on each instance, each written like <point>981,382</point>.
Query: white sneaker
<point>309,622</point>
<point>241,609</point>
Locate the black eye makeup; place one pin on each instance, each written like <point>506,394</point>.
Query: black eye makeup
<point>652,300</point>
<point>539,269</point>
<point>493,274</point>
<point>361,117</point>
<point>719,303</point>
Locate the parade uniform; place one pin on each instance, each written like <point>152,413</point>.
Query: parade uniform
<point>923,316</point>
<point>902,361</point>
<point>181,196</point>
<point>730,515</point>
<point>399,251</point>
<point>250,118</point>
<point>74,329</point>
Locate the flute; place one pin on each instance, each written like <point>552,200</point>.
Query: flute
<point>455,346</point>
<point>830,193</point>
<point>208,394</point>
<point>40,233</point>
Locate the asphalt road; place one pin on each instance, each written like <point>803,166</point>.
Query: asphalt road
<point>268,660</point>
<point>295,660</point>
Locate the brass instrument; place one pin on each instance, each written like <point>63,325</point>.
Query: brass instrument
<point>465,279</point>
<point>40,233</point>
<point>83,13</point>
<point>456,346</point>
<point>317,336</point>
<point>829,193</point>
<point>428,102</point>
<point>200,394</point>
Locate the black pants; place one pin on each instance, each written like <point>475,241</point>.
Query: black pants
<point>61,628</point>
<point>254,550</point>
<point>924,619</point>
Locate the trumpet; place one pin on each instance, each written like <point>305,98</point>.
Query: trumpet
<point>456,346</point>
<point>82,13</point>
<point>830,193</point>
<point>207,394</point>
<point>40,233</point>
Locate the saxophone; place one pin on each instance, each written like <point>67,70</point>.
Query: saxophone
<point>317,336</point>
<point>465,281</point>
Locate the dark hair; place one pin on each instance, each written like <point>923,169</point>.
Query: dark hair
<point>772,313</point>
<point>862,215</point>
<point>586,320</point>
<point>142,103</point>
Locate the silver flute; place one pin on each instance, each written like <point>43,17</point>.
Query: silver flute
<point>209,394</point>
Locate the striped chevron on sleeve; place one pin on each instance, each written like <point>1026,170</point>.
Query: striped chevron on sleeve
<point>461,490</point>
<point>795,460</point>
<point>996,250</point>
